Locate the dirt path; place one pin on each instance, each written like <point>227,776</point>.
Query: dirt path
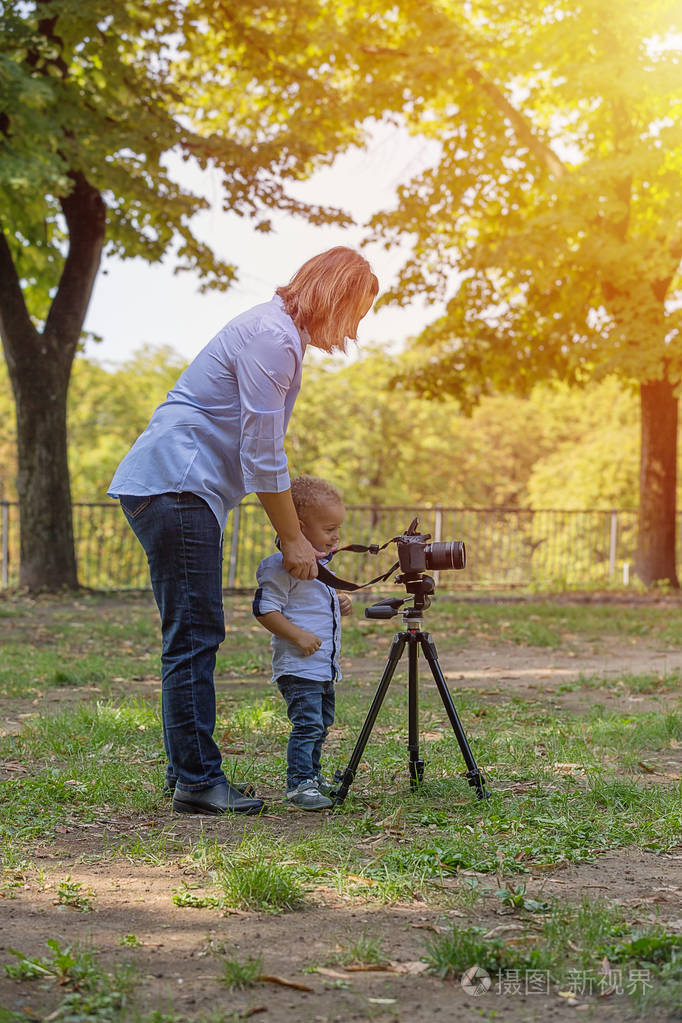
<point>177,964</point>
<point>178,967</point>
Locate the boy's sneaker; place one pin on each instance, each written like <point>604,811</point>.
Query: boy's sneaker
<point>323,784</point>
<point>308,796</point>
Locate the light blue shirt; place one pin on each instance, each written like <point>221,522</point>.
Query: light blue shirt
<point>310,604</point>
<point>220,432</point>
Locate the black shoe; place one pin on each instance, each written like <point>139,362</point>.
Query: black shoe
<point>246,789</point>
<point>222,798</point>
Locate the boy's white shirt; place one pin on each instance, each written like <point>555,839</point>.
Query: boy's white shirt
<point>308,603</point>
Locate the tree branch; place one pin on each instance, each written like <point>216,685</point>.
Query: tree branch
<point>85,214</point>
<point>524,131</point>
<point>544,153</point>
<point>16,329</point>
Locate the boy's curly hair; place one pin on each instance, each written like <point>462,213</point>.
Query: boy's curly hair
<point>310,491</point>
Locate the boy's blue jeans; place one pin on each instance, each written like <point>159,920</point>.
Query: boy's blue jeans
<point>310,708</point>
<point>183,543</point>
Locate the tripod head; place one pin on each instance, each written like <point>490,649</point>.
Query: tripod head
<point>420,586</point>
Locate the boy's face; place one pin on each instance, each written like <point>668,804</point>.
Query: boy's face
<point>321,524</point>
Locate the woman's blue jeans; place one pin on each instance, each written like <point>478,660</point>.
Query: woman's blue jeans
<point>183,543</point>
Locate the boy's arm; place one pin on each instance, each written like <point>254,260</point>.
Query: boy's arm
<point>275,622</point>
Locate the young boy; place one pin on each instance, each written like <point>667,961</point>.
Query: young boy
<point>304,616</point>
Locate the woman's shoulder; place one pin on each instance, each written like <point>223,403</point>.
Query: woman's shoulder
<point>269,317</point>
<point>258,330</point>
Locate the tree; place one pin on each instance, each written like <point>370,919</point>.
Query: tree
<point>555,206</point>
<point>108,410</point>
<point>379,448</point>
<point>94,97</point>
<point>387,447</point>
<point>593,458</point>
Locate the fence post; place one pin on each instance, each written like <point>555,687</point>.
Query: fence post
<point>613,541</point>
<point>438,525</point>
<point>234,545</point>
<point>5,544</point>
<point>437,535</point>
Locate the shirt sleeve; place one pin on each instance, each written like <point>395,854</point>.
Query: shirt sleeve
<point>265,370</point>
<point>274,584</point>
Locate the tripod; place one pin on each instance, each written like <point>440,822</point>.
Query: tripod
<point>414,639</point>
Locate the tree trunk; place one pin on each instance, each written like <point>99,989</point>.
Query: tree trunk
<point>39,367</point>
<point>657,484</point>
<point>47,554</point>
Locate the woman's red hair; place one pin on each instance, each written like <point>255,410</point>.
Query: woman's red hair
<point>328,296</point>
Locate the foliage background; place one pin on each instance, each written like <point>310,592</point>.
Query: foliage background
<point>558,448</point>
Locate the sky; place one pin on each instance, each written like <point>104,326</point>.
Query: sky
<point>135,303</point>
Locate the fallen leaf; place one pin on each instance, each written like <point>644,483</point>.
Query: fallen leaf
<point>369,968</point>
<point>502,928</point>
<point>413,967</point>
<point>283,982</point>
<point>605,968</point>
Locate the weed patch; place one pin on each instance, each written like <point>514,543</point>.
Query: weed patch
<point>89,993</point>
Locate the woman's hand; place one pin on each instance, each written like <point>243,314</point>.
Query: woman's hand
<point>300,557</point>
<point>345,604</point>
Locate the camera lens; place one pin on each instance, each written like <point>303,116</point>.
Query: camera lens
<point>451,554</point>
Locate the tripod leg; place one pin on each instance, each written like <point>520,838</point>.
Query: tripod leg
<point>473,775</point>
<point>346,778</point>
<point>416,763</point>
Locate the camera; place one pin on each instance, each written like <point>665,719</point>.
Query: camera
<point>415,554</point>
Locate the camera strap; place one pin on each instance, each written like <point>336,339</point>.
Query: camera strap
<point>325,576</point>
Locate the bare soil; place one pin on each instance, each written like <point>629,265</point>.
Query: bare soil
<point>177,967</point>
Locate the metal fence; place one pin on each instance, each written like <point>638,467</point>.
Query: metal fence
<point>506,547</point>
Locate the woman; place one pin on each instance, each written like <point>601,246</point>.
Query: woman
<point>218,436</point>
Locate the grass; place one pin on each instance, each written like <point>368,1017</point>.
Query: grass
<point>362,948</point>
<point>106,756</point>
<point>71,893</point>
<point>564,788</point>
<point>262,887</point>
<point>626,682</point>
<point>526,623</point>
<point>85,990</point>
<point>584,949</point>
<point>241,974</point>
